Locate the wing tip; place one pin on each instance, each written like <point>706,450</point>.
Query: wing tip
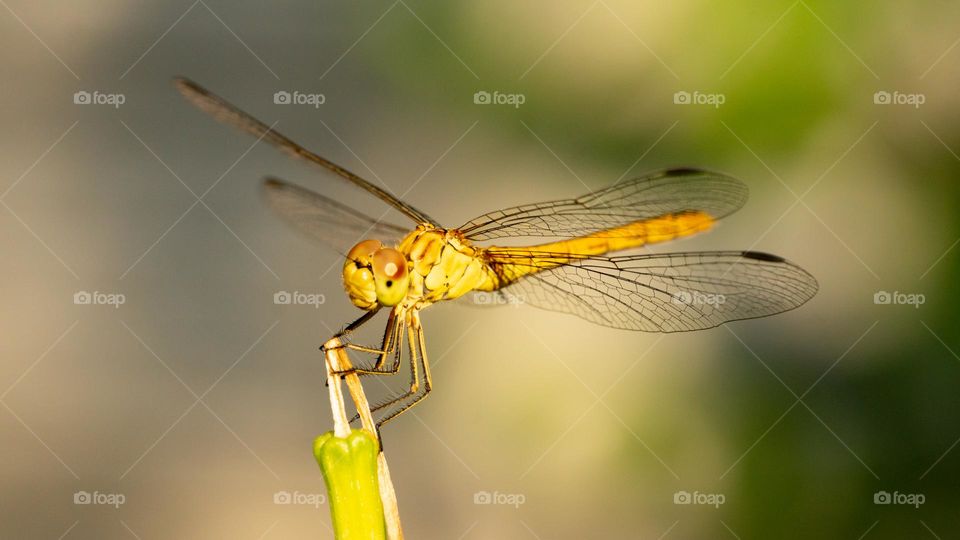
<point>806,285</point>
<point>776,259</point>
<point>734,184</point>
<point>185,85</point>
<point>676,172</point>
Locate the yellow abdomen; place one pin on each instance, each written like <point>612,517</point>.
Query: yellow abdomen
<point>508,264</point>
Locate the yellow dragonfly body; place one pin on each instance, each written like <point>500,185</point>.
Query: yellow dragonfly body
<point>444,265</point>
<point>406,269</point>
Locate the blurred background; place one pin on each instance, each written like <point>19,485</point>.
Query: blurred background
<point>182,401</point>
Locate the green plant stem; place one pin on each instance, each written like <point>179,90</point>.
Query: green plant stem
<point>350,468</point>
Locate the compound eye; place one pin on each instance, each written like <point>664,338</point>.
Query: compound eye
<point>363,250</point>
<point>389,265</point>
<point>390,276</point>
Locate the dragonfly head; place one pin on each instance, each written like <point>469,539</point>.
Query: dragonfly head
<point>375,275</point>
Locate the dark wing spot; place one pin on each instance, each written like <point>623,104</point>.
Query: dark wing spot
<point>389,283</point>
<point>760,256</point>
<point>681,171</point>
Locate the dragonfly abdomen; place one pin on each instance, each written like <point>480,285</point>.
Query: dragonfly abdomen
<point>636,234</point>
<point>533,259</point>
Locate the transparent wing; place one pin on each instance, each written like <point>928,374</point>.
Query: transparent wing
<point>224,111</point>
<point>324,219</point>
<point>657,293</point>
<point>653,195</point>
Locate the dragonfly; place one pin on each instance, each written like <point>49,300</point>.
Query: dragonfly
<point>571,268</point>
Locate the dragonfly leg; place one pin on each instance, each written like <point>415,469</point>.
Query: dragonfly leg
<point>392,345</point>
<point>389,345</point>
<point>357,323</point>
<point>418,355</point>
<point>350,328</point>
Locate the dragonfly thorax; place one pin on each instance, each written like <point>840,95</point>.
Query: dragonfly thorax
<point>374,275</point>
<point>443,266</point>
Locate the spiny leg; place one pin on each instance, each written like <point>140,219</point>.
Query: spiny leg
<point>414,364</point>
<point>414,373</point>
<point>400,328</point>
<point>395,346</point>
<point>357,323</point>
<point>406,401</point>
<point>428,379</point>
<point>395,328</point>
<point>389,345</point>
<point>353,326</point>
<point>414,397</point>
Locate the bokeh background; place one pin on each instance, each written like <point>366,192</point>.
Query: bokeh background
<point>196,400</point>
